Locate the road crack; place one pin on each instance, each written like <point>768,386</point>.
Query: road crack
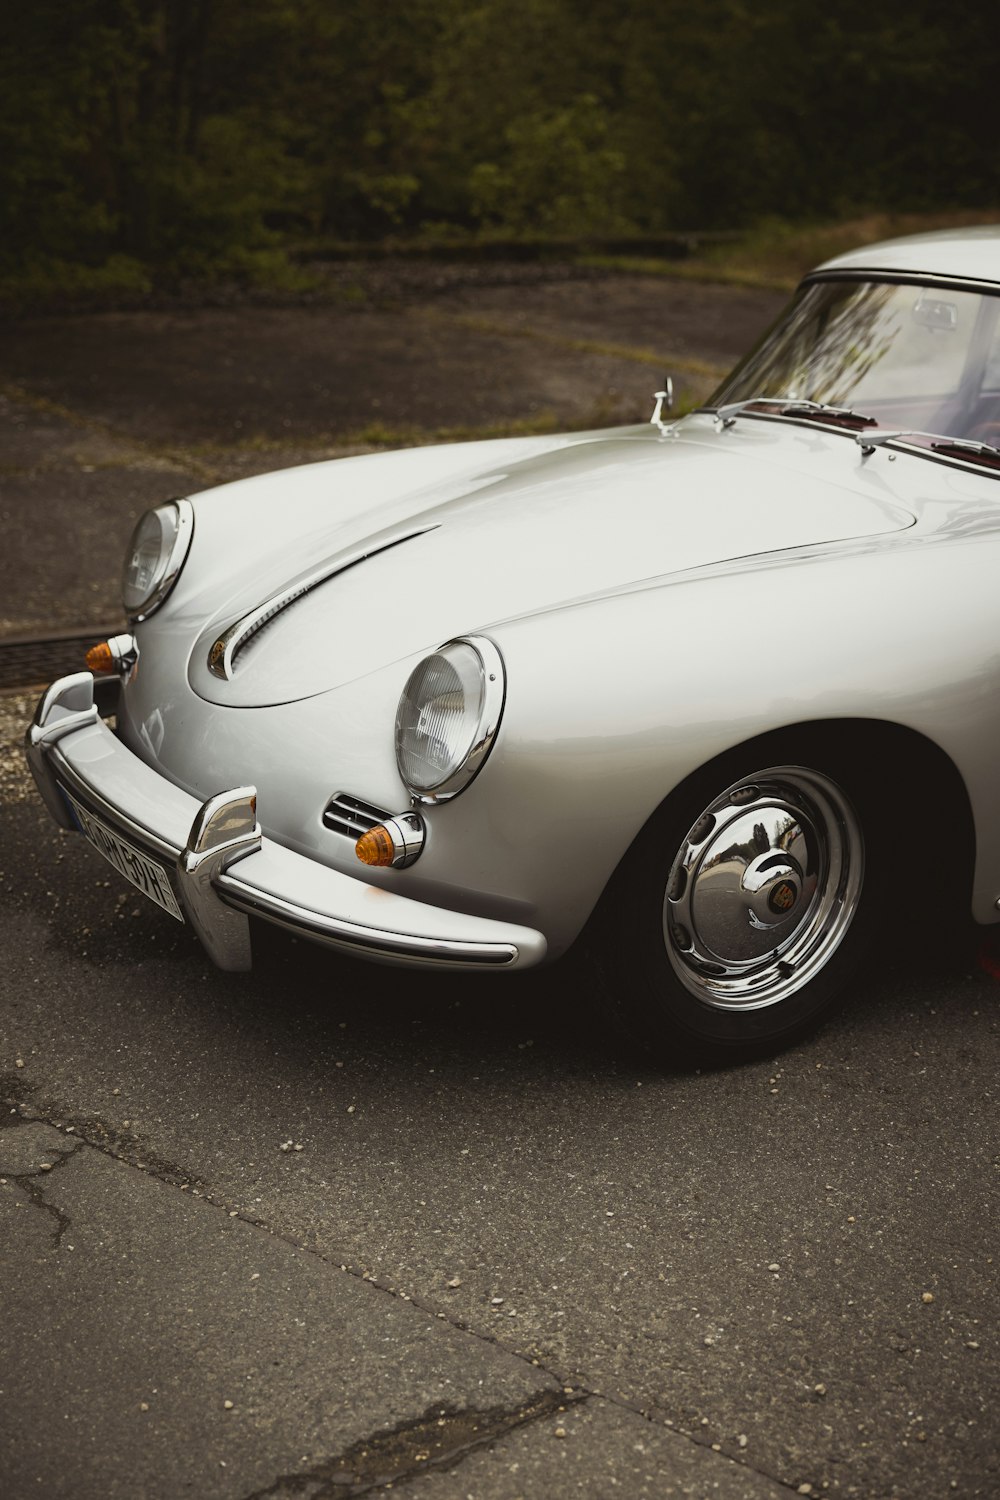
<point>121,1144</point>
<point>439,1439</point>
<point>29,1183</point>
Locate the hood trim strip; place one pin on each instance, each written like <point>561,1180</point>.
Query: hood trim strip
<point>225,649</point>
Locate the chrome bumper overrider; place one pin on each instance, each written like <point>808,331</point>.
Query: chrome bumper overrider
<point>223,867</point>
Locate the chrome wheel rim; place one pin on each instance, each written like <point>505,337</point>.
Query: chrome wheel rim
<point>763,888</point>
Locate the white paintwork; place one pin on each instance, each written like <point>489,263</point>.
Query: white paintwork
<point>657,600</point>
<point>589,517</point>
<point>961,254</point>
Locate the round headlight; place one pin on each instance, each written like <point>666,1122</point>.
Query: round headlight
<point>155,556</point>
<point>448,717</point>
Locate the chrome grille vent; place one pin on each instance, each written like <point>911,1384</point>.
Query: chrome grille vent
<point>352,817</point>
<point>234,641</point>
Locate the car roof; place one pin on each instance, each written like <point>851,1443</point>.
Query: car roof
<point>963,254</point>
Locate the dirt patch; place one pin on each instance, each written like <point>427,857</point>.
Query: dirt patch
<point>426,346</point>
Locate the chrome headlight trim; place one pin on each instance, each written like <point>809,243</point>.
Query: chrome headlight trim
<point>169,564</point>
<point>493,693</point>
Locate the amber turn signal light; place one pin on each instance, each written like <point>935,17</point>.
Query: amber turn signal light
<point>375,847</point>
<point>100,658</point>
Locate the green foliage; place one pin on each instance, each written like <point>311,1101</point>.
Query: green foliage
<point>47,279</point>
<point>557,174</point>
<point>152,138</point>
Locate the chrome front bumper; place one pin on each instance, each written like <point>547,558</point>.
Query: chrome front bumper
<point>223,867</point>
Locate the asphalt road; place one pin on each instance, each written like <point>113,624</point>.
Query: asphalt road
<point>333,1229</point>
<point>448,1233</point>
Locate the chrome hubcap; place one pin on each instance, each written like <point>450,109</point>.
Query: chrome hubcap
<point>763,888</point>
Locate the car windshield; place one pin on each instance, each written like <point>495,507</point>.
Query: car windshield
<point>924,359</point>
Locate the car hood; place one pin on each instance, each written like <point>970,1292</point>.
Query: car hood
<point>492,542</point>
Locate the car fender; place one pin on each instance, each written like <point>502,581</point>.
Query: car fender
<point>614,702</point>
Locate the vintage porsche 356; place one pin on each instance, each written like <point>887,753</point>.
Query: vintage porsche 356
<point>706,694</point>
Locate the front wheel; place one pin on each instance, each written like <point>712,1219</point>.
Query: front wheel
<point>742,910</point>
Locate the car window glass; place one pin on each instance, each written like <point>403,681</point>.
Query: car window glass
<point>868,346</point>
<point>991,375</point>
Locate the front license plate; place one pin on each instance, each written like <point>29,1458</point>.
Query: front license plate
<point>144,873</point>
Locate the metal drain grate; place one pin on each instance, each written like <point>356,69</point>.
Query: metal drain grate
<point>31,662</point>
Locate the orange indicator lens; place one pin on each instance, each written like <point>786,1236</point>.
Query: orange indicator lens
<point>99,658</point>
<point>375,846</point>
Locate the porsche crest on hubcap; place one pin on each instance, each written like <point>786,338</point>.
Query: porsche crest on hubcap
<point>763,888</point>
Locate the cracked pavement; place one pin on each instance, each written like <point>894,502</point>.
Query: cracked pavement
<point>149,1315</point>
<point>330,1229</point>
<point>157,1342</point>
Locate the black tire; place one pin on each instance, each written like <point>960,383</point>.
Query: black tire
<point>746,905</point>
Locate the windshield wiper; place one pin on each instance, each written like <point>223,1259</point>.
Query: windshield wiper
<point>793,406</point>
<point>938,442</point>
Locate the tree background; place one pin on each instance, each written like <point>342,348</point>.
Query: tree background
<point>200,137</point>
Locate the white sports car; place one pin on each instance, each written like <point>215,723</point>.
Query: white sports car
<point>709,691</point>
